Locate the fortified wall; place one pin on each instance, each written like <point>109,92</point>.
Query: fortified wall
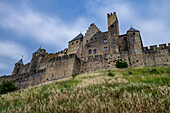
<point>55,68</point>
<point>96,50</point>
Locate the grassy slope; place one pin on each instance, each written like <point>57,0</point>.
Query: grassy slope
<point>130,90</point>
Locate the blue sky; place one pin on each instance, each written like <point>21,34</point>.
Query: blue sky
<point>27,24</point>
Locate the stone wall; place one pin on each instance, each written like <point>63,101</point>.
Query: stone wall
<point>57,68</point>
<point>61,67</point>
<point>96,50</point>
<point>157,55</point>
<point>96,62</point>
<point>26,79</point>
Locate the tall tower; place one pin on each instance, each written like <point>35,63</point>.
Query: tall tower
<point>113,32</point>
<point>113,24</point>
<point>135,48</point>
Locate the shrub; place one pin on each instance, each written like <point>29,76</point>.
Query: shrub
<point>7,86</point>
<point>111,74</point>
<point>74,75</point>
<point>129,72</point>
<point>121,64</point>
<point>153,71</point>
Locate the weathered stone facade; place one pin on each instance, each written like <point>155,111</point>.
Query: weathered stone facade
<point>96,50</point>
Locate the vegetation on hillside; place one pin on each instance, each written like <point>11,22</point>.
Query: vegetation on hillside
<point>7,86</point>
<point>121,64</point>
<point>118,90</point>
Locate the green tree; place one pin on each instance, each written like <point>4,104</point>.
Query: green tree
<point>7,86</point>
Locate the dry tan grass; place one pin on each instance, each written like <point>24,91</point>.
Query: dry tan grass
<point>93,92</point>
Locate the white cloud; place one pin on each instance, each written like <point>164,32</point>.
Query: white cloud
<point>46,30</point>
<point>12,51</point>
<point>3,66</point>
<point>152,19</point>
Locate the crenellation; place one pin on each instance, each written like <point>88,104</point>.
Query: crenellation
<point>169,45</point>
<point>110,14</point>
<point>95,50</point>
<point>153,47</point>
<point>162,46</point>
<point>146,48</point>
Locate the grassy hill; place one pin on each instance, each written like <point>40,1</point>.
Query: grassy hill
<point>119,90</point>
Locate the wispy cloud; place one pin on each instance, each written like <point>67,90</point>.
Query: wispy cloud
<point>42,28</point>
<point>10,52</point>
<point>152,19</point>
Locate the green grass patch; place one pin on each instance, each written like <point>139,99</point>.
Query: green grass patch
<point>147,90</point>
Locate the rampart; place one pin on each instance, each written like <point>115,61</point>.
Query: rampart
<point>57,68</point>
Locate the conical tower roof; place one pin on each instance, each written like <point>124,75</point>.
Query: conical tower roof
<point>38,51</point>
<point>132,29</point>
<point>20,62</point>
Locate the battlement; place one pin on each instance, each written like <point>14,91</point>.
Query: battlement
<point>58,58</point>
<point>155,47</point>
<point>110,14</point>
<point>95,50</point>
<point>62,52</point>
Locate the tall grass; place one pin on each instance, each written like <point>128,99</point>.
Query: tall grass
<point>138,91</point>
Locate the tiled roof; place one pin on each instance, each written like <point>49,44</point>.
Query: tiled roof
<point>77,37</point>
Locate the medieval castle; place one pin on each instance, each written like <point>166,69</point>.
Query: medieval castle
<point>95,50</point>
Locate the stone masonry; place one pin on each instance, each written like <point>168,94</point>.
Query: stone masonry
<point>96,50</point>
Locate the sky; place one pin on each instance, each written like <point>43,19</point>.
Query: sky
<point>25,25</point>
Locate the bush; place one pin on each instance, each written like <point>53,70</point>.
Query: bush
<point>121,64</point>
<point>129,72</point>
<point>7,86</point>
<point>74,75</point>
<point>111,74</point>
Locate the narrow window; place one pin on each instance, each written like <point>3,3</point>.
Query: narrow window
<point>86,40</point>
<point>105,48</point>
<point>88,46</point>
<point>94,51</point>
<point>90,51</point>
<point>76,41</point>
<point>133,33</point>
<point>73,43</point>
<point>105,40</point>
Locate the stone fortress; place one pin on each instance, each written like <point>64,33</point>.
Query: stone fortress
<point>95,50</point>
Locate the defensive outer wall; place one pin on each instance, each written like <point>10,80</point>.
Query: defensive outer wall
<point>96,50</point>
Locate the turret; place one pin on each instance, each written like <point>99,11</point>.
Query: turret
<point>134,41</point>
<point>113,32</point>
<point>113,24</point>
<point>36,58</point>
<point>75,45</point>
<point>17,67</point>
